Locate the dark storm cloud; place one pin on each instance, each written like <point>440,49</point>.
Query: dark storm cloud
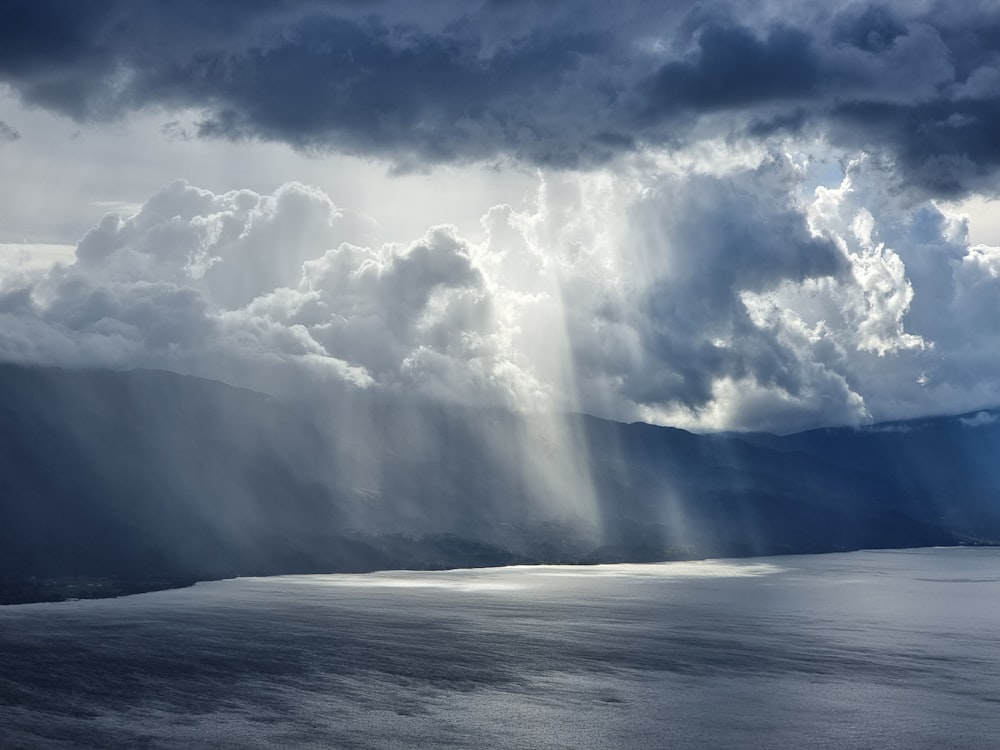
<point>47,49</point>
<point>314,75</point>
<point>872,28</point>
<point>945,147</point>
<point>942,124</point>
<point>355,84</point>
<point>559,84</point>
<point>734,68</point>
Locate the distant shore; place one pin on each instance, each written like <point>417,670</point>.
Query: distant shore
<point>36,590</point>
<point>39,590</point>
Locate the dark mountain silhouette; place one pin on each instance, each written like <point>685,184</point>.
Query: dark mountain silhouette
<point>148,478</point>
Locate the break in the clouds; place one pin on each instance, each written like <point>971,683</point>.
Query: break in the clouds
<point>734,218</point>
<point>549,83</point>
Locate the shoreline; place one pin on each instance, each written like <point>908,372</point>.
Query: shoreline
<point>58,589</point>
<point>39,590</point>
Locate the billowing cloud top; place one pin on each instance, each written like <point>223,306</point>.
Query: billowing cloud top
<point>550,83</point>
<point>708,300</point>
<point>736,220</point>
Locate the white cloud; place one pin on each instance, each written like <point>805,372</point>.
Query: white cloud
<point>979,419</point>
<point>719,298</point>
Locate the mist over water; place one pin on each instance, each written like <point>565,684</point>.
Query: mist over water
<point>889,649</point>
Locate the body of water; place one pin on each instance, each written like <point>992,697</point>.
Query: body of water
<point>886,649</point>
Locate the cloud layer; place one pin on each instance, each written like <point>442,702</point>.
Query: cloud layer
<point>737,221</point>
<point>712,299</point>
<point>552,84</point>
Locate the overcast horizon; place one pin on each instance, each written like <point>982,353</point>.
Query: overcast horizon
<point>719,216</point>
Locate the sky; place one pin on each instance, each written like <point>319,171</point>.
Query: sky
<point>758,215</point>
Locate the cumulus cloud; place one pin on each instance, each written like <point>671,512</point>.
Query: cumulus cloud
<point>909,326</point>
<point>552,84</point>
<point>751,290</point>
<point>246,287</point>
<point>735,225</point>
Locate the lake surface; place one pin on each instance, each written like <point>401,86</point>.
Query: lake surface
<point>887,649</point>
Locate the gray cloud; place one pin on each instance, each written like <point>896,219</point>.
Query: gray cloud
<point>720,238</point>
<point>733,68</point>
<point>704,268</point>
<point>562,84</point>
<point>708,300</point>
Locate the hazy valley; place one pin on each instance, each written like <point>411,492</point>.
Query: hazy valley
<point>147,476</point>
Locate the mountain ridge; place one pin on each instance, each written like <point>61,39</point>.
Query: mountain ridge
<point>151,475</point>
